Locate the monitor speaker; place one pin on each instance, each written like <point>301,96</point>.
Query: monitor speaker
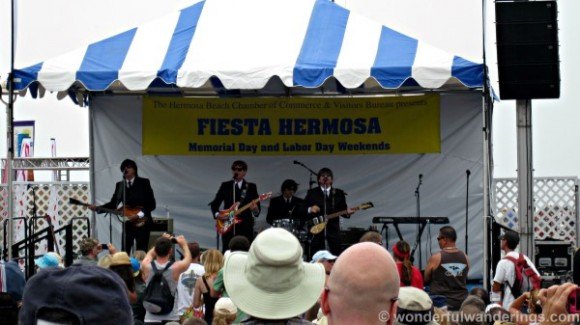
<point>350,236</point>
<point>527,49</point>
<point>158,228</point>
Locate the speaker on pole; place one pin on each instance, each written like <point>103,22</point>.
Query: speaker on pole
<point>527,49</point>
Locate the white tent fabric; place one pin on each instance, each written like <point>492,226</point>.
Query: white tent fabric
<point>245,43</point>
<point>184,185</point>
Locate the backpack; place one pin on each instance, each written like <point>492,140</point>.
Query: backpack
<point>158,299</point>
<point>523,274</point>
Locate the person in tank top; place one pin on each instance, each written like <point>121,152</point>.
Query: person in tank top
<point>447,270</point>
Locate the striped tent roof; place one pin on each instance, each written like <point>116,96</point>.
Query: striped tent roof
<point>246,43</point>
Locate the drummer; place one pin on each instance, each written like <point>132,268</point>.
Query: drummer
<point>285,209</point>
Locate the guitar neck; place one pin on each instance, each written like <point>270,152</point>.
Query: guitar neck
<point>337,214</point>
<point>98,208</point>
<point>245,207</point>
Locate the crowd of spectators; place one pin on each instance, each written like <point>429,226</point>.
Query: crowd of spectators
<point>269,282</point>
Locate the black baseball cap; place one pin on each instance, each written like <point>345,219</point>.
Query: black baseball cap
<point>511,236</point>
<point>94,295</point>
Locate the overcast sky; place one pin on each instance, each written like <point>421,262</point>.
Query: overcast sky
<point>49,28</point>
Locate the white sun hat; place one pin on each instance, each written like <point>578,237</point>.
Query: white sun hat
<point>271,281</point>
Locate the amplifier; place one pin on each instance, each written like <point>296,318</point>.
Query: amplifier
<point>350,236</point>
<point>553,256</point>
<point>158,227</point>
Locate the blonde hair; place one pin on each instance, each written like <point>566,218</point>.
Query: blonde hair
<point>213,261</point>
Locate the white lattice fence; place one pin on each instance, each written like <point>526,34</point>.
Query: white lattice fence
<point>554,206</point>
<point>48,199</point>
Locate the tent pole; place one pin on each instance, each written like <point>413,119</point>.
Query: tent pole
<point>93,232</point>
<point>10,133</point>
<point>487,103</point>
<point>525,175</point>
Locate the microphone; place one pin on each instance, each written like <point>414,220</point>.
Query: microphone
<point>468,172</point>
<point>420,176</point>
<point>296,162</point>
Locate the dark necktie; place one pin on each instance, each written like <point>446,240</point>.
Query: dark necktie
<point>129,184</point>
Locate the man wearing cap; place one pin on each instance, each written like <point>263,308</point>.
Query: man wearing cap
<point>285,206</point>
<point>137,195</point>
<point>271,283</point>
<point>322,201</point>
<point>505,271</point>
<point>241,191</point>
<point>326,259</point>
<point>362,288</point>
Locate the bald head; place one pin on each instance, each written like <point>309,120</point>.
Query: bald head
<point>362,284</point>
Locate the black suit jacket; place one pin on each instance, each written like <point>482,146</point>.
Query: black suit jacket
<point>140,194</point>
<point>278,209</point>
<point>226,195</point>
<point>335,202</point>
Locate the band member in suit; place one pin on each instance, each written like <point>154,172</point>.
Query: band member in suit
<point>138,194</point>
<point>324,200</point>
<point>237,190</point>
<point>286,206</point>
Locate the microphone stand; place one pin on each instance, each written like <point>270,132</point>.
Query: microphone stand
<point>418,214</point>
<point>124,236</point>
<point>110,227</point>
<point>467,210</point>
<point>234,198</point>
<point>311,181</point>
<point>325,187</point>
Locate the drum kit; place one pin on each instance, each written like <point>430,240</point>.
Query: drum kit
<point>293,226</point>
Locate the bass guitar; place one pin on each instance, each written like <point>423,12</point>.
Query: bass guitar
<point>224,225</point>
<point>319,223</point>
<point>126,213</point>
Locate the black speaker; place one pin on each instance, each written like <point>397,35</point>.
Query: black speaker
<point>350,236</point>
<point>158,227</point>
<point>527,49</point>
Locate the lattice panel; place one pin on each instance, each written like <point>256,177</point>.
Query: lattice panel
<point>49,200</point>
<point>554,206</point>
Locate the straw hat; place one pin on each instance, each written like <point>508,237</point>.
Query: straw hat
<point>120,258</point>
<point>271,281</point>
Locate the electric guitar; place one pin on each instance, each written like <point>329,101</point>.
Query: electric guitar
<point>320,222</point>
<point>224,226</point>
<point>125,213</point>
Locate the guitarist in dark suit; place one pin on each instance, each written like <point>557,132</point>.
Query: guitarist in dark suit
<point>138,194</point>
<point>230,192</point>
<point>324,200</point>
<point>286,206</point>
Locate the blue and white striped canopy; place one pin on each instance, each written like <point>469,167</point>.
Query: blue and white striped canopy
<point>244,43</point>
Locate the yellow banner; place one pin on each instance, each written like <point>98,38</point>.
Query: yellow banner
<point>290,126</point>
